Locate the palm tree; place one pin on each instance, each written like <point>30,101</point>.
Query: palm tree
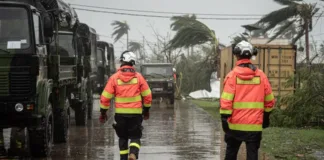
<point>181,21</point>
<point>137,48</point>
<point>298,13</point>
<point>191,32</point>
<point>121,28</point>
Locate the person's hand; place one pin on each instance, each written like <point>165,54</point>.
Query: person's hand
<point>103,118</point>
<point>146,115</point>
<point>225,123</point>
<point>266,120</point>
<point>225,126</point>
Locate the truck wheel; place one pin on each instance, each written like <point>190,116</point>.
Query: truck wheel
<point>90,104</point>
<point>81,114</point>
<point>41,139</point>
<point>61,123</point>
<point>171,99</point>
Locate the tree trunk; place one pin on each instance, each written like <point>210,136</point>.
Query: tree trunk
<point>307,42</point>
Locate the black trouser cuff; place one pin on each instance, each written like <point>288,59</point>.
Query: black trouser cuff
<point>146,109</point>
<point>103,111</point>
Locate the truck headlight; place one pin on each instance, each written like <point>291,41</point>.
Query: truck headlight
<point>170,84</point>
<point>19,107</point>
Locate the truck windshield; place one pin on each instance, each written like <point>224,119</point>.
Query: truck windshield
<point>14,28</point>
<point>158,70</point>
<point>66,48</point>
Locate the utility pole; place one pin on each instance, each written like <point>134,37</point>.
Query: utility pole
<point>307,43</point>
<point>143,50</point>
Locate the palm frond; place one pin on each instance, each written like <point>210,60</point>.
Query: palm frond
<point>135,46</point>
<point>298,36</point>
<point>287,2</point>
<point>193,34</point>
<point>278,16</point>
<point>181,21</point>
<point>120,29</point>
<point>281,30</point>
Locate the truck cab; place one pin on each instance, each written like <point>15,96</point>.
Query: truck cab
<point>38,70</point>
<point>159,76</point>
<point>105,63</point>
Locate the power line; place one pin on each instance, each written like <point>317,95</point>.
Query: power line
<point>160,16</point>
<point>163,12</point>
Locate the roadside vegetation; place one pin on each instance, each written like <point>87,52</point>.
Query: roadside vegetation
<point>281,142</point>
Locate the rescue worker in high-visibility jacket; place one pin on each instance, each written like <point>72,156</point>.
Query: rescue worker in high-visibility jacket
<point>133,100</point>
<point>245,104</point>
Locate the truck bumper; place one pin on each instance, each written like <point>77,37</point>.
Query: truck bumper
<point>162,94</point>
<point>9,117</point>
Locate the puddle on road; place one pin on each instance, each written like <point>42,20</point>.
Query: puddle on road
<point>179,132</point>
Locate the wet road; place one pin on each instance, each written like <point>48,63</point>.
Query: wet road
<point>182,132</point>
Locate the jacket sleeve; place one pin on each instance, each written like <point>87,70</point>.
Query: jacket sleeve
<point>145,93</point>
<point>269,99</point>
<point>227,97</point>
<point>107,94</point>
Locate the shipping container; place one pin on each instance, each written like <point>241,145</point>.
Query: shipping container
<point>278,62</point>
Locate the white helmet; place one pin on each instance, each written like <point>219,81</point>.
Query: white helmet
<point>245,48</point>
<point>174,70</point>
<point>129,57</point>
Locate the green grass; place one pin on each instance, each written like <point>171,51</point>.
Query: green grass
<point>280,143</point>
<point>210,106</point>
<point>287,143</point>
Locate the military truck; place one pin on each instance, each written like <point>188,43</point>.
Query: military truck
<point>159,76</point>
<point>87,45</point>
<point>105,64</point>
<point>40,75</point>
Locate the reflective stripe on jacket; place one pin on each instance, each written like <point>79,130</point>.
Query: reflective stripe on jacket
<point>246,96</point>
<point>128,87</point>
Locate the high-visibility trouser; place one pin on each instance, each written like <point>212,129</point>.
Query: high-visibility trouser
<point>129,127</point>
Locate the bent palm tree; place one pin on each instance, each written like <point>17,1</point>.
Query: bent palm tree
<point>299,13</point>
<point>181,21</point>
<point>137,48</point>
<point>121,28</point>
<point>191,32</point>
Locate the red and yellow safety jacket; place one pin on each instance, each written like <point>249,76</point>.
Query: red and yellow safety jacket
<point>128,87</point>
<point>246,96</point>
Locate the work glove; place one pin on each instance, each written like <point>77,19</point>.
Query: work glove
<point>266,120</point>
<point>225,123</point>
<point>146,113</point>
<point>103,116</point>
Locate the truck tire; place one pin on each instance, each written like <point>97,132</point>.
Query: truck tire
<point>41,138</point>
<point>81,114</point>
<point>61,123</point>
<point>90,104</point>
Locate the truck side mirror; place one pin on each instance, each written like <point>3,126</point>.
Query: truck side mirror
<point>48,25</point>
<point>86,44</point>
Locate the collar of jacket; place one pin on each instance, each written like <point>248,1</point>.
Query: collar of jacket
<point>243,61</point>
<point>126,67</point>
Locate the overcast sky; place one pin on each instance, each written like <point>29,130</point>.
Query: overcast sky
<point>140,26</point>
